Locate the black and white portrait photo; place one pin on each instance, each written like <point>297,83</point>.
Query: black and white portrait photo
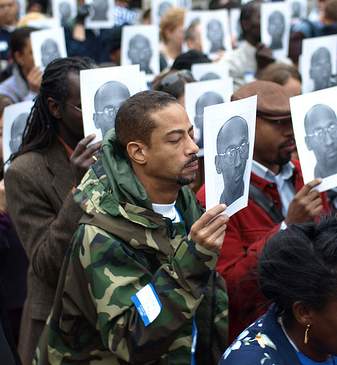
<point>215,34</point>
<point>65,10</point>
<point>160,7</point>
<point>275,27</point>
<point>198,96</point>
<point>140,45</point>
<point>17,129</point>
<point>100,14</point>
<point>103,90</point>
<point>298,9</point>
<point>49,51</point>
<point>229,134</point>
<point>314,118</point>
<point>318,63</point>
<point>212,71</point>
<point>47,45</point>
<point>232,145</point>
<point>14,123</point>
<point>320,124</point>
<point>107,100</point>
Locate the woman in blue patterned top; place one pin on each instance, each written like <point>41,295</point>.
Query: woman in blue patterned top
<point>298,273</point>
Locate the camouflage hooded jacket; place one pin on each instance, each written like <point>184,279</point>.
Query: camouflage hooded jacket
<point>120,246</point>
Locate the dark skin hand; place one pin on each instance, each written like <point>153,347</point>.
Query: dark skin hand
<point>306,205</point>
<point>209,230</point>
<point>83,157</point>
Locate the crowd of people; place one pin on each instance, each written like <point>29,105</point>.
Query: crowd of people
<point>107,254</point>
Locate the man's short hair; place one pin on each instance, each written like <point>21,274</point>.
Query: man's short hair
<point>19,38</point>
<point>133,121</point>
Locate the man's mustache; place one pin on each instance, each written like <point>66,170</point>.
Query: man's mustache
<point>193,158</point>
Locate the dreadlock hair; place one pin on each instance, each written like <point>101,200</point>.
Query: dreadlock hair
<point>42,127</point>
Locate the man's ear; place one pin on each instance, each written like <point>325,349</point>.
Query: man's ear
<point>54,108</point>
<point>18,58</point>
<point>308,143</point>
<point>217,164</point>
<point>137,152</point>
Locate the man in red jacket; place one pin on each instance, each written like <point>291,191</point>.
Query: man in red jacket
<point>277,198</point>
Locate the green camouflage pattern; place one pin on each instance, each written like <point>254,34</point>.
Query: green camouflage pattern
<point>120,246</point>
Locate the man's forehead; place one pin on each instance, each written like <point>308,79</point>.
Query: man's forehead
<point>170,118</point>
<point>321,117</point>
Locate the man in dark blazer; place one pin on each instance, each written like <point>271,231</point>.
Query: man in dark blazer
<point>52,160</point>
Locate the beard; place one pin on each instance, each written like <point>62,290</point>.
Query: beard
<point>181,180</point>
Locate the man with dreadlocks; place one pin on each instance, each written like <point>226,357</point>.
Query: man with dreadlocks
<point>52,159</point>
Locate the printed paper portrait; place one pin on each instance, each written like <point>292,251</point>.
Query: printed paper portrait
<point>199,95</point>
<point>160,7</point>
<point>64,10</point>
<point>48,45</point>
<point>212,71</point>
<point>314,118</point>
<point>298,9</point>
<point>140,46</point>
<point>275,27</point>
<point>215,33</point>
<point>14,122</point>
<point>103,91</point>
<point>101,14</point>
<point>229,134</point>
<point>318,63</point>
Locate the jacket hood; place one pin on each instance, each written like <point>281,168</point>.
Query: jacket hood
<point>110,182</point>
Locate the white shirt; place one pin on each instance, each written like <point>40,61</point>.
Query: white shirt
<point>282,180</point>
<point>168,211</point>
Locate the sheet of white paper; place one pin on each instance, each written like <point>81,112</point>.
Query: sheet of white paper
<point>315,128</point>
<point>318,63</point>
<point>298,9</point>
<point>14,122</point>
<point>64,10</point>
<point>235,27</point>
<point>215,31</point>
<point>140,45</point>
<point>47,45</point>
<point>198,95</point>
<point>211,71</point>
<point>275,27</point>
<point>160,7</point>
<point>103,90</point>
<point>101,14</point>
<point>229,135</point>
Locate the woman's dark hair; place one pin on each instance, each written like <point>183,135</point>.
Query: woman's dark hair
<point>19,38</point>
<point>300,264</point>
<point>42,127</point>
<point>280,73</point>
<point>173,82</point>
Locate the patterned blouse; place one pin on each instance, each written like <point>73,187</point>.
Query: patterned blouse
<point>265,343</point>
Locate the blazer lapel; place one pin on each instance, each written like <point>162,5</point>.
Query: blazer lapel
<point>59,165</point>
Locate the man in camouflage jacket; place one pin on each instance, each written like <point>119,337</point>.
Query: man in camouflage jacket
<point>122,245</point>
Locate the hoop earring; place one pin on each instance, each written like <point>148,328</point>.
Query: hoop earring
<point>306,334</point>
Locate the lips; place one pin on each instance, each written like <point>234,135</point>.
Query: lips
<point>192,164</point>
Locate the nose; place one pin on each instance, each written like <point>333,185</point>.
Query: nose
<point>327,139</point>
<point>192,147</point>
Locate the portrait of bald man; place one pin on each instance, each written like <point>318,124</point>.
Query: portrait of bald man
<point>107,100</point>
<point>232,145</point>
<point>321,69</point>
<point>320,124</point>
<point>99,10</point>
<point>206,99</point>
<point>49,51</point>
<point>65,12</point>
<point>215,35</point>
<point>276,29</point>
<point>17,130</point>
<point>163,8</point>
<point>140,52</point>
<point>209,76</point>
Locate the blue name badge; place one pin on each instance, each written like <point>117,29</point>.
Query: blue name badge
<point>147,304</point>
